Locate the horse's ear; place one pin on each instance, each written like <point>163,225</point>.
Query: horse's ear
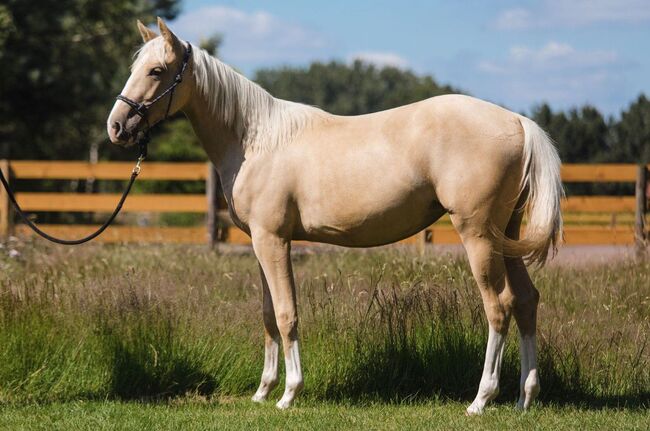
<point>146,32</point>
<point>166,33</point>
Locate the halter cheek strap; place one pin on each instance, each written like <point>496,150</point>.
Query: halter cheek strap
<point>143,108</point>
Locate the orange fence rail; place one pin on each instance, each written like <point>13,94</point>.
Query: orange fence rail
<point>589,219</point>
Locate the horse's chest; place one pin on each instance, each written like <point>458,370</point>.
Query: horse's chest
<point>239,221</point>
<point>238,206</point>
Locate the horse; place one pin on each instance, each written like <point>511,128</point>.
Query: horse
<point>295,172</point>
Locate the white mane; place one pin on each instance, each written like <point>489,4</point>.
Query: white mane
<point>262,121</point>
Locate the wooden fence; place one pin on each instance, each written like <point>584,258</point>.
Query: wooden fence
<point>588,219</point>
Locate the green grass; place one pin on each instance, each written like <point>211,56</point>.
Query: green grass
<point>242,414</point>
<point>142,334</point>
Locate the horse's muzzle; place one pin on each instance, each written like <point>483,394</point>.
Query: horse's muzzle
<point>121,134</point>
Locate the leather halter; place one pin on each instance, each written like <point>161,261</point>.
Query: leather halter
<point>142,108</point>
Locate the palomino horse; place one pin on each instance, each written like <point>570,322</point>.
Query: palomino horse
<point>291,171</point>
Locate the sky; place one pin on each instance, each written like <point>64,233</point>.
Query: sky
<point>516,53</point>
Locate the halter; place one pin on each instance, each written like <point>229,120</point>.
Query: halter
<point>143,108</point>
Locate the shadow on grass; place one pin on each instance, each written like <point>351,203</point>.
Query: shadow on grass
<point>150,363</point>
<point>563,384</point>
<point>135,378</point>
<point>450,368</point>
<point>442,365</point>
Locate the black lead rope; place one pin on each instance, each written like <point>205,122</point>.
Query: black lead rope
<point>107,223</point>
<point>141,109</point>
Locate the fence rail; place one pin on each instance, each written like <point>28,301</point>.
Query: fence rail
<point>590,219</point>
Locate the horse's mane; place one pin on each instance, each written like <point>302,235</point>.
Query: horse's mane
<point>262,121</point>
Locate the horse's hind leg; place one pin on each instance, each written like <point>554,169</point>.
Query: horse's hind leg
<point>488,268</point>
<point>526,298</point>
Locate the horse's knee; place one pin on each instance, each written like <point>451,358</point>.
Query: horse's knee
<point>498,314</point>
<point>287,322</point>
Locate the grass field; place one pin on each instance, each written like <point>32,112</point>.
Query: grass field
<point>170,337</point>
<point>241,414</point>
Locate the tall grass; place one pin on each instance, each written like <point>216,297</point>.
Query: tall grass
<point>138,322</point>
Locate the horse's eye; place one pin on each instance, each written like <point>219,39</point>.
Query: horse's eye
<point>156,71</point>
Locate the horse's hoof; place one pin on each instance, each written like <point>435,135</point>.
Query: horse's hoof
<point>473,410</point>
<point>258,398</point>
<point>284,404</point>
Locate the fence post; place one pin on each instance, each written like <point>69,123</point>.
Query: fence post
<point>421,241</point>
<point>640,235</point>
<point>6,215</point>
<point>212,194</point>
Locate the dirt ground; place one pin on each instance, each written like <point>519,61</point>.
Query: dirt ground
<point>574,255</point>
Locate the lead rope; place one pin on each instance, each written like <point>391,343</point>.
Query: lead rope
<point>140,109</point>
<point>134,174</point>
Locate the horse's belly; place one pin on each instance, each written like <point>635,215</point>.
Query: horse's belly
<point>371,224</point>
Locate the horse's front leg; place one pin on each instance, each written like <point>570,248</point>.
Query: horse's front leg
<point>273,253</point>
<point>271,345</point>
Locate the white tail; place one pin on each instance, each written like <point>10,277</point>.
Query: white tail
<point>542,182</point>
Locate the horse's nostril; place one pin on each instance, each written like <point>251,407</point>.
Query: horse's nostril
<point>119,130</point>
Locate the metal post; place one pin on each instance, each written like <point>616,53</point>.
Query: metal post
<point>212,194</point>
<point>640,235</point>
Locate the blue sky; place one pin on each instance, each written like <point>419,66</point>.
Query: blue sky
<point>516,53</point>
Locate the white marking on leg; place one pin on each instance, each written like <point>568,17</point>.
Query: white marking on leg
<point>529,381</point>
<point>525,368</point>
<point>294,382</point>
<point>489,386</point>
<point>270,372</point>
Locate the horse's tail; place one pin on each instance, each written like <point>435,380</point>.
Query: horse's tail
<point>543,185</point>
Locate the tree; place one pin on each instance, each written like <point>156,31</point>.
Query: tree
<point>632,133</point>
<point>63,62</point>
<point>345,89</point>
<point>581,135</point>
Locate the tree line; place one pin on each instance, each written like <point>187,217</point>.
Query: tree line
<point>65,60</point>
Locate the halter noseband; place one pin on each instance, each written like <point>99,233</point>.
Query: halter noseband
<point>143,108</point>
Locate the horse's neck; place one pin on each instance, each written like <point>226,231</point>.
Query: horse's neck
<point>221,142</point>
<point>257,122</point>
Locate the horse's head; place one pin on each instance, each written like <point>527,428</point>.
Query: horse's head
<point>156,88</point>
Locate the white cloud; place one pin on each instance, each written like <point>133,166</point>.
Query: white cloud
<point>574,13</point>
<point>556,56</point>
<point>251,37</point>
<point>555,72</point>
<point>513,19</point>
<point>380,59</point>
